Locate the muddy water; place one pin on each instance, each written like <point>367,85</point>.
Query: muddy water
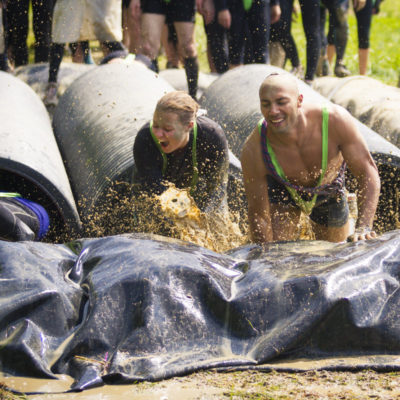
<point>51,390</point>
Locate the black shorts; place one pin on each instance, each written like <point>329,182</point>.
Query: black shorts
<point>174,11</point>
<point>329,210</point>
<point>125,3</point>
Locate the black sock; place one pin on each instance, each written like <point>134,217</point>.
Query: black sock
<point>192,75</point>
<point>3,62</point>
<point>154,65</point>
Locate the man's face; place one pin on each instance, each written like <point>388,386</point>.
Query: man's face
<point>170,132</point>
<point>279,105</point>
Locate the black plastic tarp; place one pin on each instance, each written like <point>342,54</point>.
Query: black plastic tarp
<point>142,307</point>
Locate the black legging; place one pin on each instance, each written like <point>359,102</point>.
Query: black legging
<point>364,17</point>
<point>18,24</point>
<point>218,47</point>
<point>310,10</point>
<point>257,20</point>
<point>338,26</point>
<point>281,32</point>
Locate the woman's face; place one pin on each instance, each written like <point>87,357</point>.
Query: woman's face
<point>170,132</point>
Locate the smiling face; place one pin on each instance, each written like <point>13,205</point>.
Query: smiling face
<point>280,103</point>
<point>170,132</point>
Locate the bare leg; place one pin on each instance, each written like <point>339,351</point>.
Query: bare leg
<point>187,50</point>
<point>151,26</point>
<point>131,31</point>
<point>363,60</point>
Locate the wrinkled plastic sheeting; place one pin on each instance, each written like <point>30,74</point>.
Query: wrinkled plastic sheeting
<point>142,307</point>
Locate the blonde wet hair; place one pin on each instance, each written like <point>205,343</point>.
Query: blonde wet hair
<point>180,103</point>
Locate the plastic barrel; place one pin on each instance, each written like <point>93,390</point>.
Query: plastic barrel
<point>37,75</point>
<point>30,161</point>
<point>233,101</point>
<point>369,100</point>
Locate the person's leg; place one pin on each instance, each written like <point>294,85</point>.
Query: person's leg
<point>364,18</point>
<point>323,63</point>
<point>258,19</point>
<point>3,41</point>
<point>188,52</point>
<point>152,25</point>
<point>56,56</point>
<point>281,31</point>
<point>338,10</point>
<point>18,23</point>
<point>170,43</point>
<point>236,34</point>
<point>131,29</point>
<point>217,46</point>
<point>42,17</point>
<point>310,11</point>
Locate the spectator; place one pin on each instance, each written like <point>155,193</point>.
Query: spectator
<point>251,18</point>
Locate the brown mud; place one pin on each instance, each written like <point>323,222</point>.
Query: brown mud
<point>214,385</point>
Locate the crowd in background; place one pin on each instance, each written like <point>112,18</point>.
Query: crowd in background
<point>238,32</point>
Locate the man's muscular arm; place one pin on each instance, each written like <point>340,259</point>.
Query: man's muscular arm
<point>256,187</point>
<point>361,164</point>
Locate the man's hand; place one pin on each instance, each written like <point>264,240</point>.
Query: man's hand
<point>362,233</point>
<point>275,13</point>
<point>207,9</point>
<point>359,4</point>
<point>225,18</point>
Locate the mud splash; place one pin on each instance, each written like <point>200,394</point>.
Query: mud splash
<point>173,214</point>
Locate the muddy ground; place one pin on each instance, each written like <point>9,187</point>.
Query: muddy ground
<point>246,385</point>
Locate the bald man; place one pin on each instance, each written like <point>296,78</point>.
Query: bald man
<point>295,160</point>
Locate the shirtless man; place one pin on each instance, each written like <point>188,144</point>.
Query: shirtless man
<point>289,140</point>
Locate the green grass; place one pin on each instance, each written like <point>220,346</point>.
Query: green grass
<point>384,63</point>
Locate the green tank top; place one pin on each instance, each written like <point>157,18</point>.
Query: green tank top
<point>195,176</point>
<point>305,206</point>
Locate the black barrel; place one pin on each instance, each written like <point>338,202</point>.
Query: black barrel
<point>369,100</point>
<point>30,161</point>
<point>233,101</point>
<point>96,121</point>
<point>37,75</point>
